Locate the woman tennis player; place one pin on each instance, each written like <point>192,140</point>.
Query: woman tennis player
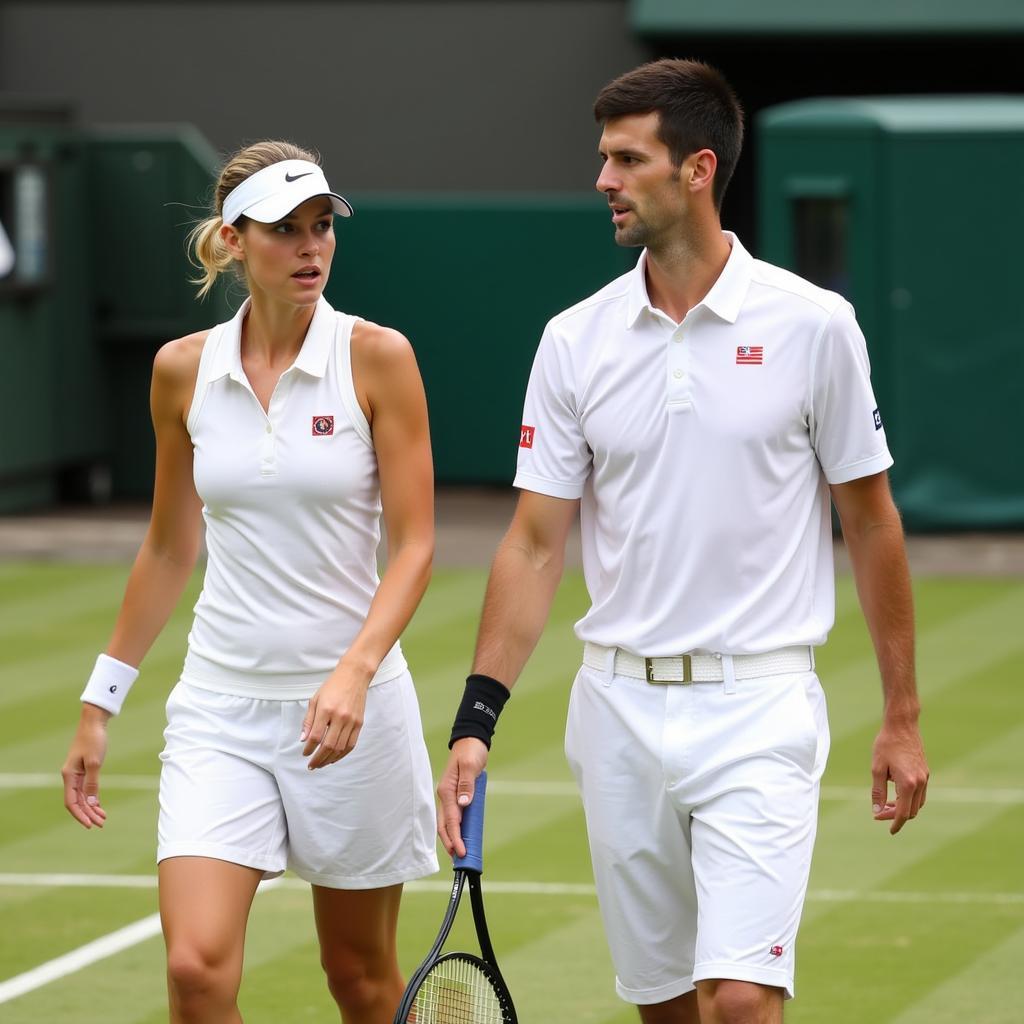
<point>293,737</point>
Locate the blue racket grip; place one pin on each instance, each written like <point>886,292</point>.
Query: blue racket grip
<point>473,829</point>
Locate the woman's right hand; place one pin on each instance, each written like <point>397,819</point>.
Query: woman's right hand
<point>81,771</point>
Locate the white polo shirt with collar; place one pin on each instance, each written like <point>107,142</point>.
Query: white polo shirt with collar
<point>291,501</point>
<point>702,452</point>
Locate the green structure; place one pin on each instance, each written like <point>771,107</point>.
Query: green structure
<point>471,280</point>
<point>146,188</point>
<point>910,207</point>
<point>51,382</point>
<point>98,282</point>
<point>802,17</point>
<point>98,222</point>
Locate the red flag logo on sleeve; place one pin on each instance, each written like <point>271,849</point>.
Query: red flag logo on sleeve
<point>526,436</point>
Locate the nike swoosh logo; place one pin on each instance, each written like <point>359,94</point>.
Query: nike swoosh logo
<point>295,177</point>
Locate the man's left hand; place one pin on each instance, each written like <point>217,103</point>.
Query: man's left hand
<point>898,755</point>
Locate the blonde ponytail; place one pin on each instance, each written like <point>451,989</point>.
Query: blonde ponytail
<point>208,254</point>
<point>206,250</point>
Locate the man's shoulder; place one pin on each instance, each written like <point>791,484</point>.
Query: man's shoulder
<point>603,302</point>
<point>785,286</point>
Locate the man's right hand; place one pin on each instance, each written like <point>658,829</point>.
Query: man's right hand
<point>455,790</point>
<point>81,771</point>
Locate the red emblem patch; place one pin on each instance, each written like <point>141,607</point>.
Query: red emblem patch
<point>526,436</point>
<point>323,426</point>
<point>775,951</point>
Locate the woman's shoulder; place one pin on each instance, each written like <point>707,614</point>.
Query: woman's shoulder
<point>176,365</point>
<point>384,368</point>
<point>375,345</point>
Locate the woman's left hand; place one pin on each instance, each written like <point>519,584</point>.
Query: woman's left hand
<point>334,719</point>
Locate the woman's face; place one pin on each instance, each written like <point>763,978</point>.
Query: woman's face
<point>289,260</point>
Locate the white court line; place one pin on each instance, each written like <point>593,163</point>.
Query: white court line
<point>936,793</point>
<point>148,927</point>
<point>59,881</point>
<point>98,949</point>
<point>510,788</point>
<point>523,889</point>
<point>82,881</point>
<point>52,780</point>
<point>110,944</point>
<point>998,899</point>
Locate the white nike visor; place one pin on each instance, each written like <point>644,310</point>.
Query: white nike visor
<point>272,193</point>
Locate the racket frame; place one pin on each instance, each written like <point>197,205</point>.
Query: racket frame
<point>468,868</point>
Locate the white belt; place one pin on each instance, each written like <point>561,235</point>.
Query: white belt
<point>699,668</point>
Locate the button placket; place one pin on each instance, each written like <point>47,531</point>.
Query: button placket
<point>678,365</point>
<point>268,452</point>
<point>268,455</point>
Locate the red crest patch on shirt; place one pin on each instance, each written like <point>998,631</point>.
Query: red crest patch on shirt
<point>526,436</point>
<point>323,426</point>
<point>750,355</point>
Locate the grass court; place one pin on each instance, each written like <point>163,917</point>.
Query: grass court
<point>923,928</point>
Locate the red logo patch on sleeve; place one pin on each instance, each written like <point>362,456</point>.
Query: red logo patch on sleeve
<point>323,426</point>
<point>526,436</point>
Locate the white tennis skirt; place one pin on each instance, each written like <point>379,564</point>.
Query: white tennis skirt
<point>234,786</point>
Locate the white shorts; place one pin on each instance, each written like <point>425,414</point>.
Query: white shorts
<point>235,786</point>
<point>701,810</point>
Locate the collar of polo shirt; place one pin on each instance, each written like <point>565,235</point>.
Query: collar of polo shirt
<point>724,299</point>
<point>312,357</point>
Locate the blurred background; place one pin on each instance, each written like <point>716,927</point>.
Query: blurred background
<point>884,159</point>
<point>463,133</point>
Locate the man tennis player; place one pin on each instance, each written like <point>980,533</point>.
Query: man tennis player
<point>700,411</point>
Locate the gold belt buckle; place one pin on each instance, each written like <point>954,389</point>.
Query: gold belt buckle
<point>687,671</point>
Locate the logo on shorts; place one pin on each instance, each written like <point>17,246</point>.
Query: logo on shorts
<point>113,689</point>
<point>526,436</point>
<point>878,419</point>
<point>323,426</point>
<point>776,951</point>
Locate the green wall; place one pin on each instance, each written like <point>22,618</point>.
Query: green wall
<point>933,225</point>
<point>471,280</point>
<point>921,17</point>
<point>51,380</point>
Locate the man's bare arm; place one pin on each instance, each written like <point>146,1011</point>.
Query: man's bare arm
<point>874,540</point>
<point>524,577</point>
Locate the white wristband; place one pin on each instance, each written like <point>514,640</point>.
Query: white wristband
<point>109,683</point>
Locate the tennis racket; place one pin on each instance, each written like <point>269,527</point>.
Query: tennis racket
<point>460,988</point>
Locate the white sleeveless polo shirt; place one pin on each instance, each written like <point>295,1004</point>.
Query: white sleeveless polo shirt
<point>291,500</point>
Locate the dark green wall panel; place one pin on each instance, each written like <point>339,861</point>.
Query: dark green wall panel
<point>935,221</point>
<point>745,17</point>
<point>51,390</point>
<point>472,281</point>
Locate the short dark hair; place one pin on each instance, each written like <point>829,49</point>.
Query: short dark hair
<point>697,109</point>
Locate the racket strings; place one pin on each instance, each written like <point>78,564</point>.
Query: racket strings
<point>456,991</point>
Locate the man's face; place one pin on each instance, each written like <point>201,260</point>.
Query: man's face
<point>645,190</point>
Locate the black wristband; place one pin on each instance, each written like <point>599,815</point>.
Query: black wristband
<point>482,701</point>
